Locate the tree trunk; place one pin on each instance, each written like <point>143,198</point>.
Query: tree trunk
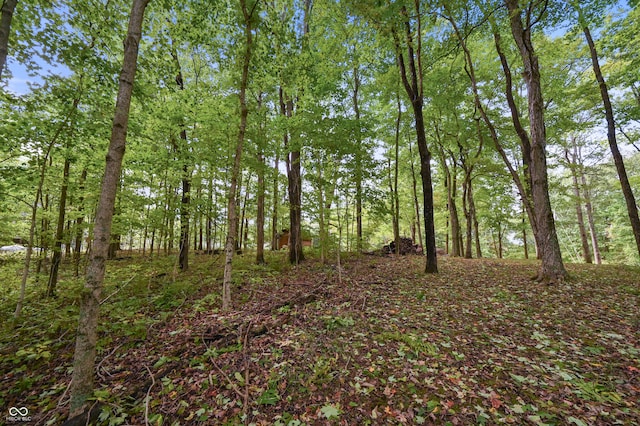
<point>573,165</point>
<point>181,151</point>
<point>295,209</point>
<point>466,188</point>
<point>85,350</point>
<point>276,201</point>
<point>229,247</point>
<point>414,89</point>
<point>474,216</point>
<point>34,212</point>
<point>358,160</point>
<point>8,7</point>
<point>552,268</point>
<point>524,235</point>
<point>590,220</point>
<point>450,183</point>
<point>524,189</point>
<point>79,231</point>
<point>393,185</point>
<point>499,240</point>
<point>57,248</point>
<point>416,203</point>
<point>294,180</point>
<point>632,208</point>
<point>260,210</point>
<point>321,210</point>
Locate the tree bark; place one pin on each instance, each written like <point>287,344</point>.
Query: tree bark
<point>414,89</point>
<point>8,7</point>
<point>185,200</point>
<point>85,350</point>
<point>416,204</point>
<point>260,210</point>
<point>358,160</point>
<point>552,267</point>
<point>294,180</point>
<point>590,219</point>
<point>79,220</point>
<point>573,165</point>
<point>274,213</point>
<point>57,247</point>
<point>632,207</point>
<point>229,247</point>
<point>393,184</point>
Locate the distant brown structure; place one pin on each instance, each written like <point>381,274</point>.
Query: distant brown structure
<point>282,240</point>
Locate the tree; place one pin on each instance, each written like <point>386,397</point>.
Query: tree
<point>411,75</point>
<point>229,248</point>
<point>632,208</point>
<point>8,7</point>
<point>85,349</point>
<point>552,268</point>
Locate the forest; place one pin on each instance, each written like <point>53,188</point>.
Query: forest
<point>319,212</point>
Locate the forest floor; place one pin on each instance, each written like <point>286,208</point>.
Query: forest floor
<point>376,341</point>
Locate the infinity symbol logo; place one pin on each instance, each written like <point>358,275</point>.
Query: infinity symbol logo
<point>15,411</point>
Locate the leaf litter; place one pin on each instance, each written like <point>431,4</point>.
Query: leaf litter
<point>378,343</point>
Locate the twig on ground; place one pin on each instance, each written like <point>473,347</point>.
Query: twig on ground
<point>229,381</point>
<point>99,366</point>
<point>245,350</point>
<point>146,401</point>
<point>118,289</point>
<point>61,399</point>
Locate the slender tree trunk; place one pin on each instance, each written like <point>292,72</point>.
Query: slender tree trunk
<point>412,81</point>
<point>294,179</point>
<point>69,242</point>
<point>34,213</point>
<point>276,202</point>
<point>416,203</point>
<point>524,189</point>
<point>243,217</point>
<point>552,268</point>
<point>466,185</point>
<point>229,247</point>
<point>573,165</point>
<point>57,248</point>
<point>590,219</point>
<point>450,183</point>
<point>632,207</point>
<point>474,216</point>
<point>8,7</point>
<point>321,207</point>
<point>260,210</point>
<point>85,350</point>
<point>209,216</point>
<point>79,230</point>
<point>394,219</point>
<point>500,240</point>
<point>182,153</point>
<point>524,235</point>
<point>358,160</point>
<point>393,185</point>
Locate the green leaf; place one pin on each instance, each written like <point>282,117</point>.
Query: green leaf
<point>517,408</point>
<point>576,421</point>
<point>330,411</point>
<point>269,397</point>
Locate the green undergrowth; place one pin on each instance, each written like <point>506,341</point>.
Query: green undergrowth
<point>374,342</point>
<point>139,293</point>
